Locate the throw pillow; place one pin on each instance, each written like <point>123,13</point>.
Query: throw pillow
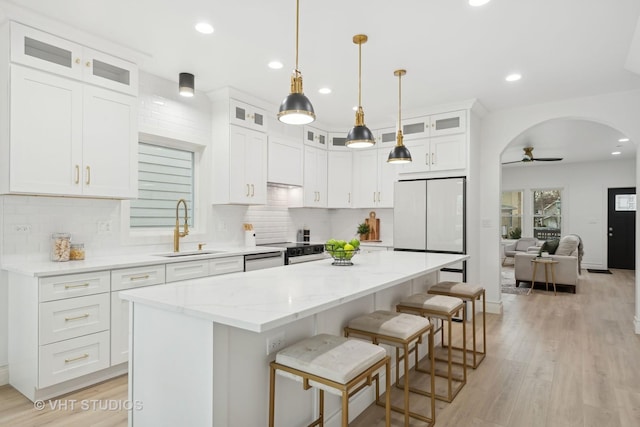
<point>549,246</point>
<point>568,245</point>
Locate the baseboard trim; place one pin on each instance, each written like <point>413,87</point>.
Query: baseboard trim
<point>494,307</point>
<point>4,375</point>
<point>636,322</point>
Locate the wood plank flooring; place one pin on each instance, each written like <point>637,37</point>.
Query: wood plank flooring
<point>553,361</point>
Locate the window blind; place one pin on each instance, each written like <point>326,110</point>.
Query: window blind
<point>165,175</point>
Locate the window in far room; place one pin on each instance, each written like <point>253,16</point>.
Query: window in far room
<point>547,214</point>
<point>165,175</point>
<point>511,215</point>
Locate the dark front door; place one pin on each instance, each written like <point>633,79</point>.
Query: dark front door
<point>621,228</point>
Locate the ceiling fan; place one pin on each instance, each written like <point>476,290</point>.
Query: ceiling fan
<point>528,157</point>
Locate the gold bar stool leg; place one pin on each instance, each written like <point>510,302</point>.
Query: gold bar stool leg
<point>401,331</point>
<point>467,293</point>
<point>308,358</point>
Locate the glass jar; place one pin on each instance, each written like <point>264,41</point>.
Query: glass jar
<point>60,246</point>
<point>77,252</point>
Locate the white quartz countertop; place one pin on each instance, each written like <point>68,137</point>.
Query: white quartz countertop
<point>50,268</point>
<point>265,299</point>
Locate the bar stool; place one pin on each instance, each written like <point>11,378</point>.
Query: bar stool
<point>403,331</point>
<point>334,364</point>
<point>443,308</point>
<point>467,292</point>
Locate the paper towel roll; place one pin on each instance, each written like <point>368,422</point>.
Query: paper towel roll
<point>249,238</point>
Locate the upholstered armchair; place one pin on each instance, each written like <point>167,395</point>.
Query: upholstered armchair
<point>567,270</point>
<point>519,246</point>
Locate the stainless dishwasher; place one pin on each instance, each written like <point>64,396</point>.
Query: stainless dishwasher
<point>264,260</point>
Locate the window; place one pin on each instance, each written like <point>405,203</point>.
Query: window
<point>547,214</point>
<point>511,215</point>
<point>165,175</point>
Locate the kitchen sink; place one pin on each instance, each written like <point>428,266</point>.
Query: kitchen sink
<point>187,253</point>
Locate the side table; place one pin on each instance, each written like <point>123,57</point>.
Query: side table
<point>549,264</point>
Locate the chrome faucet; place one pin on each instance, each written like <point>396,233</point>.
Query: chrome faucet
<point>177,234</point>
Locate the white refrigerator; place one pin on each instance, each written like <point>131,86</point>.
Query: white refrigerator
<point>429,215</point>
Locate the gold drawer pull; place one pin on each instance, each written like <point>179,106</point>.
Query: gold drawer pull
<point>73,359</point>
<point>132,278</point>
<point>82,285</point>
<point>84,316</point>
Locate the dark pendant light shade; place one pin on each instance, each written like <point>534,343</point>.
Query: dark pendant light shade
<point>187,84</point>
<point>360,136</point>
<point>400,153</point>
<point>296,109</point>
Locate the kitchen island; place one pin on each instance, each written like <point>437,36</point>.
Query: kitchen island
<point>199,348</point>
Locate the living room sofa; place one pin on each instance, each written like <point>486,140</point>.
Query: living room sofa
<point>567,270</point>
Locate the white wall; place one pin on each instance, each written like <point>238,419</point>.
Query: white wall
<point>584,198</point>
<point>499,128</point>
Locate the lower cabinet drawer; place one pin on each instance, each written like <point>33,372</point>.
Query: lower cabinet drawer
<point>128,278</point>
<point>73,285</point>
<point>73,358</point>
<point>226,265</point>
<point>187,270</point>
<point>73,317</point>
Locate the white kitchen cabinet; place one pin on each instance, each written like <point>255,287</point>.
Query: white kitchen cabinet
<point>73,317</point>
<point>315,137</point>
<point>415,128</point>
<point>373,179</point>
<point>340,179</point>
<point>245,115</point>
<point>285,158</point>
<point>436,154</point>
<point>83,145</point>
<point>338,141</point>
<point>121,280</point>
<point>218,266</point>
<point>448,123</point>
<point>247,166</point>
<point>386,137</point>
<point>315,177</point>
<point>187,270</point>
<point>44,51</point>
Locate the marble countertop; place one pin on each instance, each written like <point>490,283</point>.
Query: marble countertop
<point>50,268</point>
<point>265,299</point>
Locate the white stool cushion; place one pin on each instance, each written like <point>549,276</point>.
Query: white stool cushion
<point>397,325</point>
<point>335,358</point>
<point>441,304</point>
<point>458,288</point>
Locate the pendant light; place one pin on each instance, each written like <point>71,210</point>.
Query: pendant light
<point>186,84</point>
<point>296,109</point>
<point>400,153</point>
<point>360,136</point>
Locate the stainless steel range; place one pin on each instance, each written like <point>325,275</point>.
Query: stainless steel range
<point>301,252</point>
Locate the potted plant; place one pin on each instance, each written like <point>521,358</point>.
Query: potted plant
<point>363,231</point>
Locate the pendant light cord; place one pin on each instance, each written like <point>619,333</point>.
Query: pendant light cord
<point>297,26</point>
<point>360,74</point>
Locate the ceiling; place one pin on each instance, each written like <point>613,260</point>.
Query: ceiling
<point>452,52</point>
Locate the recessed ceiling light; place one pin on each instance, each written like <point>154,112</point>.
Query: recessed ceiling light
<point>478,2</point>
<point>324,90</point>
<point>623,140</point>
<point>615,153</point>
<point>513,77</point>
<point>204,28</point>
<point>275,65</point>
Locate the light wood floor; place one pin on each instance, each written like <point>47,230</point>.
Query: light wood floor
<point>553,361</point>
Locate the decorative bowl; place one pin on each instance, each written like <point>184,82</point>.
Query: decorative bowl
<point>340,255</point>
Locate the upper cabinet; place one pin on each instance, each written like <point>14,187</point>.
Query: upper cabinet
<point>386,137</point>
<point>246,115</point>
<point>338,141</point>
<point>315,137</point>
<point>44,51</point>
<point>340,179</point>
<point>284,161</point>
<point>315,178</point>
<point>373,179</point>
<point>85,140</point>
<point>448,123</point>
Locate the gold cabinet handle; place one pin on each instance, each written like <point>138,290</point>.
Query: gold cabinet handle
<point>132,278</point>
<point>88,181</point>
<point>200,245</point>
<point>81,285</point>
<point>77,61</point>
<point>374,197</point>
<point>433,158</point>
<point>88,64</point>
<point>77,174</point>
<point>349,197</point>
<point>248,190</point>
<point>426,159</point>
<point>378,197</point>
<point>73,359</point>
<point>83,316</point>
<point>252,190</point>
